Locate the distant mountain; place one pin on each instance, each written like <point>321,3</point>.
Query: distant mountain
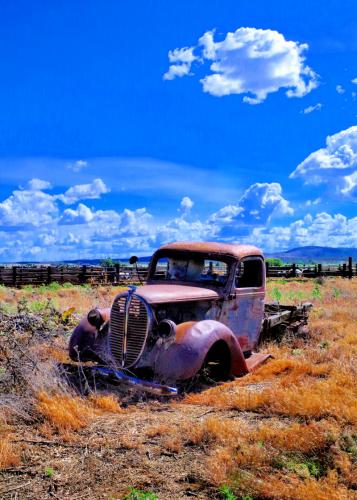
<point>300,254</point>
<point>315,254</point>
<point>82,262</point>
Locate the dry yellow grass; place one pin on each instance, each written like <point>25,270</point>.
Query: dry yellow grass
<point>67,412</point>
<point>9,456</point>
<point>286,431</point>
<point>313,380</point>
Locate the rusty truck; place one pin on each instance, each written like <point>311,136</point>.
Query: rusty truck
<point>202,310</point>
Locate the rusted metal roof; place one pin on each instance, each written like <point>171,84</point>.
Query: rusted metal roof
<point>236,251</point>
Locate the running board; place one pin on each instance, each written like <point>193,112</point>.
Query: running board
<point>255,360</point>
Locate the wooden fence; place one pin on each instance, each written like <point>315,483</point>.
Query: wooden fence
<point>22,275</point>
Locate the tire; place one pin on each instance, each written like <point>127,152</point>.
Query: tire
<point>217,365</point>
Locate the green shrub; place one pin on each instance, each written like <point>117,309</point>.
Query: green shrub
<point>272,261</point>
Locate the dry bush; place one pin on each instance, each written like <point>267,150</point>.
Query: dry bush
<point>9,455</point>
<point>173,443</point>
<point>220,465</point>
<point>313,399</point>
<point>158,430</point>
<point>68,412</point>
<point>58,353</point>
<point>287,487</point>
<point>298,437</point>
<point>107,403</point>
<point>130,442</point>
<point>65,412</point>
<point>292,368</point>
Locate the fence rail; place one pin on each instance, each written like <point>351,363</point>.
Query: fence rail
<point>22,275</point>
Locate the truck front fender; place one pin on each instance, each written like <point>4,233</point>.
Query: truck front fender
<point>184,357</point>
<point>86,342</point>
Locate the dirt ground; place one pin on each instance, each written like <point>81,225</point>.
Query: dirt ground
<point>286,431</point>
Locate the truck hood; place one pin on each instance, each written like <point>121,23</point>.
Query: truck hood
<point>158,294</point>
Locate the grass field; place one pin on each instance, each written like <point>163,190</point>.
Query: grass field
<point>286,431</point>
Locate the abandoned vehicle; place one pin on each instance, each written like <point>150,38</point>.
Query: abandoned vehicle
<point>202,309</point>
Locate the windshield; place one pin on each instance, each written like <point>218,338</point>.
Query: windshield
<point>190,268</point>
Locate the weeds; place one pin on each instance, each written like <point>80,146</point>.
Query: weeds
<point>49,472</point>
<point>135,494</point>
<point>316,292</point>
<point>227,493</point>
<point>277,294</point>
<point>336,292</point>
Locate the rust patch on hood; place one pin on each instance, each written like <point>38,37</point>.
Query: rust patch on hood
<point>157,294</point>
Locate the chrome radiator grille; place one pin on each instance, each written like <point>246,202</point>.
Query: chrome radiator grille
<point>129,327</point>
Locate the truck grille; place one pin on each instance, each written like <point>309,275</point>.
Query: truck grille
<point>129,327</point>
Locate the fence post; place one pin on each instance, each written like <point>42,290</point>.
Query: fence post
<point>266,269</point>
<point>117,272</point>
<point>350,269</point>
<point>82,276</point>
<point>344,270</point>
<point>319,269</point>
<point>14,275</point>
<point>49,272</point>
<point>293,270</point>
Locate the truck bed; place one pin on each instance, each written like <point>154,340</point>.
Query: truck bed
<point>276,315</point>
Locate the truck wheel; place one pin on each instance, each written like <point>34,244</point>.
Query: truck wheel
<point>217,365</point>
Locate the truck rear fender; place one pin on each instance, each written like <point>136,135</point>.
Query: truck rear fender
<point>183,358</point>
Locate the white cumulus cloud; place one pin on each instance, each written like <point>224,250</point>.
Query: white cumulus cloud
<point>340,90</point>
<point>250,61</point>
<point>84,192</point>
<point>38,185</point>
<point>310,109</point>
<point>335,165</point>
<point>77,165</point>
<point>81,215</point>
<point>257,206</point>
<point>324,229</point>
<point>28,207</point>
<point>186,204</point>
<point>181,60</point>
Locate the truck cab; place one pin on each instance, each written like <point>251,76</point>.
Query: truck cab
<point>232,275</point>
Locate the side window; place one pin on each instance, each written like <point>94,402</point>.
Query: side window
<point>249,273</point>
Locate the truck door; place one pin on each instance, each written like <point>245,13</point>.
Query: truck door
<point>245,310</point>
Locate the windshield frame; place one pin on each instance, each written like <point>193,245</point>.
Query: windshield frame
<point>187,254</point>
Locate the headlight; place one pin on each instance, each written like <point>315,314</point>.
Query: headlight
<point>166,328</point>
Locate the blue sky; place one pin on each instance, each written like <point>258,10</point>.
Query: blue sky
<point>124,125</point>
